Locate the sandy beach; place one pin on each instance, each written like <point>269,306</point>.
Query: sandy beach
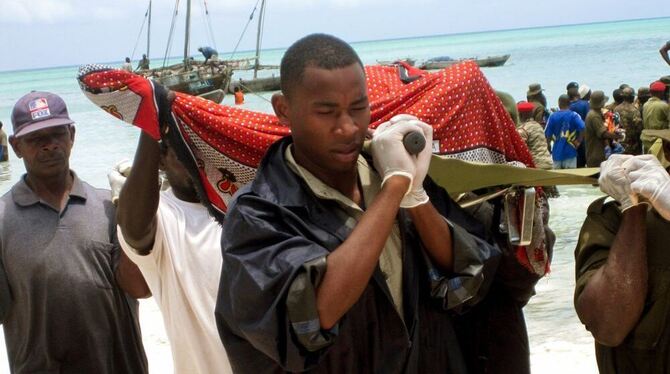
<point>552,56</point>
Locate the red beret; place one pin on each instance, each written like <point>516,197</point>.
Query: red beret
<point>657,86</point>
<point>524,107</point>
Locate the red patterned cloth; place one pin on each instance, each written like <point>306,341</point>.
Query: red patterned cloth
<point>225,144</point>
<point>469,121</point>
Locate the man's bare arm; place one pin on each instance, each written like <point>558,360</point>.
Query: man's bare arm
<point>664,53</point>
<point>351,265</point>
<point>138,201</point>
<point>130,279</point>
<point>435,235</point>
<point>611,303</point>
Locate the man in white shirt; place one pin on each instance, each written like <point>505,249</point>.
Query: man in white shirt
<point>175,243</point>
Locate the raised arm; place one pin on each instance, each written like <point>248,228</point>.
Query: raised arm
<point>664,52</point>
<point>138,201</point>
<point>435,235</point>
<point>612,301</point>
<point>351,265</point>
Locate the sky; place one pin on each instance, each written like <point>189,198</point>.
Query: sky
<point>45,33</point>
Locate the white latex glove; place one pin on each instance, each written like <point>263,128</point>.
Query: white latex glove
<point>417,194</point>
<point>614,181</point>
<point>651,181</point>
<point>391,158</point>
<point>117,177</point>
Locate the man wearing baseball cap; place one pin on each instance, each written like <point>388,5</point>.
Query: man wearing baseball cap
<point>655,112</point>
<point>60,306</point>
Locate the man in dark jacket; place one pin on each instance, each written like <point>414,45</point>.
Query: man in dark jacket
<point>333,265</point>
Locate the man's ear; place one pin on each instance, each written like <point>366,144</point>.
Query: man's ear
<point>280,106</point>
<point>14,142</point>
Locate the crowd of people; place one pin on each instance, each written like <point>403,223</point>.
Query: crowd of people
<point>585,130</point>
<point>334,259</point>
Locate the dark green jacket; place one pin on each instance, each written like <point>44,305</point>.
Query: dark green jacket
<point>646,348</point>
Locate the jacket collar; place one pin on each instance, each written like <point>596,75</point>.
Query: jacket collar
<point>276,182</point>
<point>23,195</point>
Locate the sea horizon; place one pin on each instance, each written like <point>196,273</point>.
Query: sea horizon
<point>602,55</point>
<point>354,43</point>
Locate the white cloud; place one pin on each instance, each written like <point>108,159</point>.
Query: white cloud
<point>57,11</point>
<point>29,11</point>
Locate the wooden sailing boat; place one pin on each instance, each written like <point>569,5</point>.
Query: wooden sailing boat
<point>257,84</point>
<point>193,77</point>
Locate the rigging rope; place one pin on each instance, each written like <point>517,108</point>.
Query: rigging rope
<point>208,22</point>
<point>146,15</point>
<point>172,25</point>
<point>251,17</point>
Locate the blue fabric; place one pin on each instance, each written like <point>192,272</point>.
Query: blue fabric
<point>580,107</point>
<point>208,52</point>
<point>563,128</point>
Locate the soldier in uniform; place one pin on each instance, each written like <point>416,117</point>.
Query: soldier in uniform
<point>596,132</point>
<point>643,95</point>
<point>622,290</point>
<point>631,122</point>
<point>535,96</point>
<point>655,112</point>
<point>532,133</point>
<point>617,96</point>
<point>510,105</point>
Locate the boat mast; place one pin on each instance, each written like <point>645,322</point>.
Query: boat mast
<point>261,16</point>
<point>188,30</point>
<point>149,32</point>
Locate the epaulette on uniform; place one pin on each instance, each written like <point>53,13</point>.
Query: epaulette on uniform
<point>598,206</point>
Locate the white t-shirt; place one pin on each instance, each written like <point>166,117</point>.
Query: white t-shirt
<point>183,271</point>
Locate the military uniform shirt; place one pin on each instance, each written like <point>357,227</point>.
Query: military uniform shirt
<point>631,122</point>
<point>656,114</point>
<point>532,133</point>
<point>646,349</point>
<point>593,135</point>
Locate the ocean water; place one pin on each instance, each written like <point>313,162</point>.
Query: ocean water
<point>600,55</point>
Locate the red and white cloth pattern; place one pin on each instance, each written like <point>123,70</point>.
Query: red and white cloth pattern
<point>227,143</point>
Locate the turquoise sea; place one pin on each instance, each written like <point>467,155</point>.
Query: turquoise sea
<point>601,55</point>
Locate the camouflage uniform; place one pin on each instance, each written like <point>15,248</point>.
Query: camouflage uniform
<point>611,106</point>
<point>631,122</point>
<point>539,113</point>
<point>532,133</point>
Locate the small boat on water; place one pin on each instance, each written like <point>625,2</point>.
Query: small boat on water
<point>261,84</point>
<point>256,83</point>
<point>193,77</point>
<point>446,61</point>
